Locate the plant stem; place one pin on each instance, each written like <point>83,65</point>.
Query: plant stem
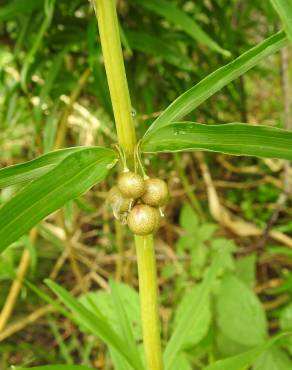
<point>149,302</point>
<point>116,76</point>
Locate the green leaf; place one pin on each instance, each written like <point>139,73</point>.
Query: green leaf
<point>104,302</point>
<point>71,178</point>
<point>50,79</point>
<point>30,56</point>
<point>230,138</point>
<point>240,315</point>
<point>244,360</point>
<point>204,318</point>
<point>245,270</point>
<point>173,14</point>
<point>284,9</point>
<point>96,324</point>
<point>35,168</point>
<point>273,359</point>
<point>124,324</point>
<point>151,45</point>
<point>188,219</point>
<point>190,319</point>
<point>56,367</point>
<point>207,87</point>
<point>19,6</point>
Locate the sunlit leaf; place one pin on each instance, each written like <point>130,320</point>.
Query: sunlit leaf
<point>232,138</point>
<point>174,14</point>
<point>71,178</point>
<point>207,87</point>
<point>284,9</point>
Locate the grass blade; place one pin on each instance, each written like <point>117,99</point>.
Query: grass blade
<point>19,7</point>
<point>56,367</point>
<point>71,178</point>
<point>207,87</point>
<point>284,9</point>
<point>96,324</point>
<point>35,168</point>
<point>231,138</point>
<point>153,46</point>
<point>173,14</point>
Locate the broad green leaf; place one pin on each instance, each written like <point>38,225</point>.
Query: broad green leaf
<point>286,324</point>
<point>55,367</point>
<point>207,87</point>
<point>240,315</point>
<point>173,14</point>
<point>19,6</point>
<point>151,45</point>
<point>188,219</point>
<point>35,168</point>
<point>245,270</point>
<point>96,324</point>
<point>230,138</point>
<point>244,360</point>
<point>273,359</point>
<point>190,319</point>
<point>76,174</point>
<point>204,318</point>
<point>181,363</point>
<point>284,9</point>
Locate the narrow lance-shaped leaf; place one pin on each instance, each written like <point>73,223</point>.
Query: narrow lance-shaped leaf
<point>153,46</point>
<point>56,367</point>
<point>35,168</point>
<point>71,178</point>
<point>96,324</point>
<point>231,138</point>
<point>284,9</point>
<point>174,14</point>
<point>207,87</point>
<point>13,8</point>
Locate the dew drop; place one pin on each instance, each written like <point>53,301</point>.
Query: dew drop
<point>133,112</point>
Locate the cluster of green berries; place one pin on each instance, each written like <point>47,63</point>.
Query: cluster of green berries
<point>137,201</point>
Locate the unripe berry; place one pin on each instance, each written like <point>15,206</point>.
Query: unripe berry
<point>131,185</point>
<point>118,203</point>
<point>143,219</point>
<point>156,192</point>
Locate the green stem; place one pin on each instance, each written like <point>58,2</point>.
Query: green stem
<point>149,301</point>
<point>116,76</point>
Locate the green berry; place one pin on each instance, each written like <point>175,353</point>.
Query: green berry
<point>131,185</point>
<point>143,219</point>
<point>156,192</point>
<point>116,200</point>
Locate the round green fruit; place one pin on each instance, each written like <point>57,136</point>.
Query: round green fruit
<point>131,185</point>
<point>156,192</point>
<point>116,200</point>
<point>143,220</point>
